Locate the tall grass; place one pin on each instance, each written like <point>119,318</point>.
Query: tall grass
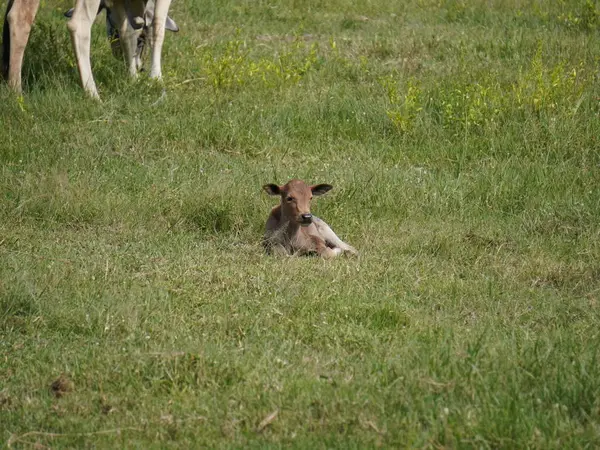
<point>462,141</point>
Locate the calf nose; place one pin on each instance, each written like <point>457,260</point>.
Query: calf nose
<point>306,218</point>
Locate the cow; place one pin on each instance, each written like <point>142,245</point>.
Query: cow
<point>129,19</point>
<point>19,18</point>
<point>292,230</point>
<point>113,33</point>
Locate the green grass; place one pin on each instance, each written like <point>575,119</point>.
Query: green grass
<point>462,141</point>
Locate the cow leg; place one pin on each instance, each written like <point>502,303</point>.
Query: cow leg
<point>127,35</point>
<point>17,26</point>
<point>80,27</point>
<point>161,9</point>
<point>136,16</point>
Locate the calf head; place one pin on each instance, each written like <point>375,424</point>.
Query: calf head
<point>295,199</point>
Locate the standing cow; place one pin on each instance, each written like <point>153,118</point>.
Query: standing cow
<point>129,17</point>
<point>20,15</point>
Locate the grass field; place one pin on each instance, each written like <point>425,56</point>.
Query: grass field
<point>462,138</point>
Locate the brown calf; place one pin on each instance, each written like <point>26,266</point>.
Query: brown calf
<point>292,229</point>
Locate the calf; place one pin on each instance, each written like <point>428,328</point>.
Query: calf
<point>129,18</point>
<point>292,229</point>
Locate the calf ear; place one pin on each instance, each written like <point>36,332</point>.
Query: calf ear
<point>170,25</point>
<point>320,189</point>
<point>272,189</point>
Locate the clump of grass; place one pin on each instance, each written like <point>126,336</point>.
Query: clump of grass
<point>405,106</point>
<point>584,15</point>
<point>556,91</point>
<point>236,69</point>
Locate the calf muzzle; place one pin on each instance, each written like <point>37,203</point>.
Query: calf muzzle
<point>306,219</point>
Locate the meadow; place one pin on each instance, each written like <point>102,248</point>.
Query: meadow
<point>138,309</point>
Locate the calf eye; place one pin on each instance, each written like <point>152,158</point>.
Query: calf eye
<point>290,199</point>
